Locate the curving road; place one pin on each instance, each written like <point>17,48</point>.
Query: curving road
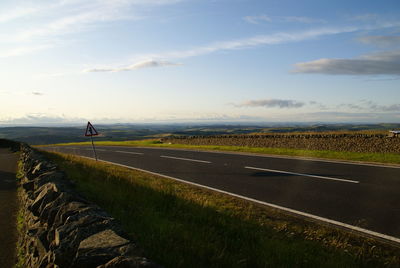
<point>347,193</point>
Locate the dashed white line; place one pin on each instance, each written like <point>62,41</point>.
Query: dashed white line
<point>101,150</point>
<point>185,159</point>
<point>127,152</point>
<point>302,174</point>
<point>289,210</point>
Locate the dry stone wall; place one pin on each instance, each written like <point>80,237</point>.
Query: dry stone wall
<point>62,229</point>
<point>363,143</point>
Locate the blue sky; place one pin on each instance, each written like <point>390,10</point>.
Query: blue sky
<point>67,61</point>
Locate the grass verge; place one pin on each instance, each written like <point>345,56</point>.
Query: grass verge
<point>180,225</point>
<point>20,223</point>
<point>384,158</point>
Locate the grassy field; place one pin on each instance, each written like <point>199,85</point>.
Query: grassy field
<point>179,225</point>
<point>348,156</point>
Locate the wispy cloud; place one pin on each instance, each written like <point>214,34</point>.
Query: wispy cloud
<point>370,106</point>
<point>364,17</point>
<point>380,40</point>
<point>264,18</point>
<point>71,17</point>
<point>302,19</point>
<point>381,63</point>
<point>16,13</point>
<point>255,41</point>
<point>38,119</point>
<point>135,66</point>
<point>23,50</point>
<point>354,117</point>
<point>271,103</point>
<point>246,43</point>
<point>37,93</point>
<point>257,19</point>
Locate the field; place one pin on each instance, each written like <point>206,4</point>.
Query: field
<point>123,132</point>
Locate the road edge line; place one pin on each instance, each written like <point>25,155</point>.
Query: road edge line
<point>349,227</point>
<point>302,174</point>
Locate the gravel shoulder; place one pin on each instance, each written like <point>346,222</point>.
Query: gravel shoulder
<point>8,207</point>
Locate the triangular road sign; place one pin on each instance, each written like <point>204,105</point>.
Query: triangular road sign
<point>90,130</point>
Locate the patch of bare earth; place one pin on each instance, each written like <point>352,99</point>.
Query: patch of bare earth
<point>8,208</point>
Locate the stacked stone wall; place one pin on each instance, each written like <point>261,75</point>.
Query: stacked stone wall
<point>60,228</point>
<point>362,143</point>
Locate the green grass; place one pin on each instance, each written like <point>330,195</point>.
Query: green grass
<point>179,225</point>
<point>385,158</point>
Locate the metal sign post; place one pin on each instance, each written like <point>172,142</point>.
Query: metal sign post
<point>91,131</point>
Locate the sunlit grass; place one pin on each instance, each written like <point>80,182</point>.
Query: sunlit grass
<point>388,158</point>
<point>179,225</point>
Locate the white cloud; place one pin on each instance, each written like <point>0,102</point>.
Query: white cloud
<point>370,106</point>
<point>353,117</point>
<point>382,63</point>
<point>380,40</point>
<point>135,66</point>
<point>245,43</point>
<point>251,42</point>
<point>37,93</point>
<point>38,119</point>
<point>56,18</point>
<point>301,19</point>
<point>264,18</point>
<point>16,13</point>
<point>365,17</point>
<point>271,103</point>
<point>19,51</point>
<point>257,19</point>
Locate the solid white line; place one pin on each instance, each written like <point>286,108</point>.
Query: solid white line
<point>185,159</point>
<point>292,211</point>
<point>101,150</point>
<point>302,174</point>
<point>271,156</point>
<point>126,152</point>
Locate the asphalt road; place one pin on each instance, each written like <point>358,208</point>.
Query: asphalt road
<point>360,195</point>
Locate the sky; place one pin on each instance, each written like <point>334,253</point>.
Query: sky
<point>151,61</point>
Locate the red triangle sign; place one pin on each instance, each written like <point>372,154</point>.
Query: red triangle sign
<point>90,130</point>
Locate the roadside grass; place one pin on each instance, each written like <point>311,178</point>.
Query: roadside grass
<point>20,250</point>
<point>180,225</point>
<point>20,222</point>
<point>386,158</point>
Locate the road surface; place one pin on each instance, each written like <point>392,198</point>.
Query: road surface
<point>361,195</point>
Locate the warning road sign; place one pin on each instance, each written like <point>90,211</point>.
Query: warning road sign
<point>90,130</point>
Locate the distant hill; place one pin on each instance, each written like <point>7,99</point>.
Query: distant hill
<point>49,135</point>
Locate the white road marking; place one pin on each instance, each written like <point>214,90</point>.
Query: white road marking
<point>302,174</point>
<point>126,152</point>
<point>349,162</point>
<point>289,210</point>
<point>185,159</point>
<point>101,150</point>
